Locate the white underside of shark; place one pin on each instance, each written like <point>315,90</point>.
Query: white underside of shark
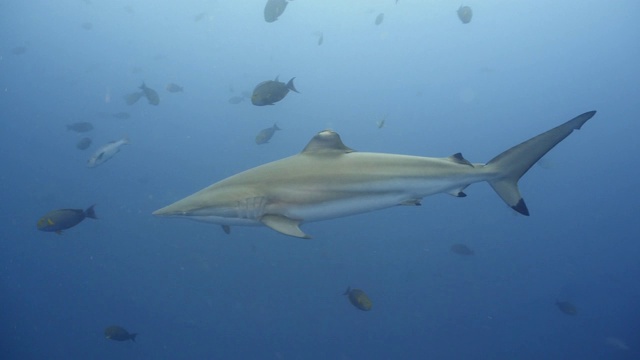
<point>329,180</point>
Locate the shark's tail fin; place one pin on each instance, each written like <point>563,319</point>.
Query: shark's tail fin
<point>513,163</point>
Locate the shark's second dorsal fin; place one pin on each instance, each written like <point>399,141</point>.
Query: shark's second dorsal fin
<point>459,159</point>
<point>326,142</point>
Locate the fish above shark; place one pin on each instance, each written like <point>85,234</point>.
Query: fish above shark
<point>330,180</point>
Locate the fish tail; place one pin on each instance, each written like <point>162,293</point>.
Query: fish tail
<point>348,289</point>
<point>133,337</point>
<point>291,87</point>
<point>512,164</point>
<point>90,213</point>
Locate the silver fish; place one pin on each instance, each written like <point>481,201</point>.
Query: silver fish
<point>106,152</point>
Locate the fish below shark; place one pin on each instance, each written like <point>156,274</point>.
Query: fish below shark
<point>330,180</point>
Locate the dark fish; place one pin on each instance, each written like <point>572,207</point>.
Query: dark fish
<point>133,97</point>
<point>567,307</point>
<point>19,50</point>
<point>379,19</point>
<point>321,39</point>
<point>173,88</point>
<point>236,99</point>
<point>273,9</point>
<point>84,143</point>
<point>80,127</point>
<point>121,115</point>
<point>358,299</point>
<point>199,17</point>
<point>265,135</point>
<point>151,95</point>
<point>87,25</point>
<point>271,91</point>
<point>461,249</point>
<point>465,14</point>
<point>62,219</point>
<point>117,333</point>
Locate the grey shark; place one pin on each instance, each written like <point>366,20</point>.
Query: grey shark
<point>329,180</point>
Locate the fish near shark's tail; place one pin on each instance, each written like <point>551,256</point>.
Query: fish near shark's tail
<point>513,163</point>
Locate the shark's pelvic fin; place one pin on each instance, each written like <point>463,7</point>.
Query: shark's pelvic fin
<point>513,163</point>
<point>284,225</point>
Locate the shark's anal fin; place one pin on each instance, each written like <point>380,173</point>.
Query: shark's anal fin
<point>284,225</point>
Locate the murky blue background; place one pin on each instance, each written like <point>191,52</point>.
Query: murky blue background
<point>191,291</point>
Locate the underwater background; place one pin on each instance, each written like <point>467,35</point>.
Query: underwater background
<point>190,291</point>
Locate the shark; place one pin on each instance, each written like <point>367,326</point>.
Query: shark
<point>330,180</point>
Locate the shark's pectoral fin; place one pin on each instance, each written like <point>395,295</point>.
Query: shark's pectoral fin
<point>226,229</point>
<point>284,225</point>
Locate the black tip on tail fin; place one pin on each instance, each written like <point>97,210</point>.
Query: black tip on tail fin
<point>521,207</point>
<point>90,213</point>
<point>513,163</point>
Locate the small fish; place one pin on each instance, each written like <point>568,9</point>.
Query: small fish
<point>273,9</point>
<point>133,98</point>
<point>616,343</point>
<point>80,127</point>
<point>118,333</point>
<point>359,299</point>
<point>465,14</point>
<point>567,307</point>
<point>174,88</point>
<point>150,94</point>
<point>235,100</point>
<point>63,219</point>
<point>379,19</point>
<point>121,115</point>
<point>461,249</point>
<point>265,135</point>
<point>199,17</point>
<point>19,50</point>
<point>84,143</point>
<point>106,152</point>
<point>271,91</point>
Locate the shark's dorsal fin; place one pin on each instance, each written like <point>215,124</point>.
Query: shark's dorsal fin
<point>326,142</point>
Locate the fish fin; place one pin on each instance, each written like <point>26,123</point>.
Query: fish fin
<point>133,337</point>
<point>412,202</point>
<point>348,290</point>
<point>512,164</point>
<point>458,192</point>
<point>327,141</point>
<point>226,229</point>
<point>459,159</point>
<point>59,232</point>
<point>90,213</point>
<point>284,225</point>
<point>50,222</point>
<point>275,127</point>
<point>292,87</point>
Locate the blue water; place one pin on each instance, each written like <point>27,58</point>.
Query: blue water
<point>192,292</point>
